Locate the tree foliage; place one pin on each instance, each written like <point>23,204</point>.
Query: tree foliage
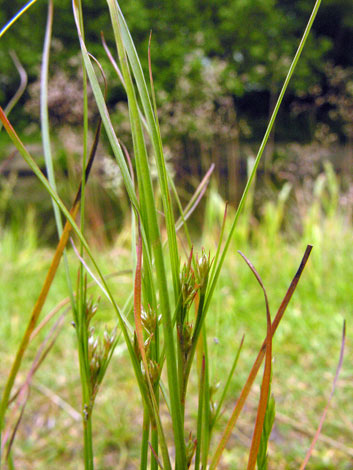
<point>252,39</point>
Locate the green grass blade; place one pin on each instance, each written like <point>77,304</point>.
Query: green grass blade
<point>260,152</point>
<point>44,117</point>
<point>258,361</point>
<point>36,170</point>
<point>141,158</point>
<point>266,381</point>
<point>153,126</point>
<point>226,387</point>
<point>206,408</point>
<point>44,120</point>
<point>144,441</point>
<point>105,114</point>
<point>200,415</point>
<point>16,17</point>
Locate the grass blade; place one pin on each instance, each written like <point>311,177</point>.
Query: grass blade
<point>260,153</point>
<point>266,381</point>
<point>257,364</point>
<point>226,387</point>
<point>149,217</point>
<point>16,17</point>
<point>139,335</point>
<point>200,415</point>
<point>152,121</point>
<point>44,115</point>
<point>55,261</point>
<point>22,86</point>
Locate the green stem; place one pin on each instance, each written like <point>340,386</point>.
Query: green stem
<point>88,445</point>
<point>44,121</point>
<point>206,407</point>
<point>200,415</point>
<point>83,327</point>
<point>155,241</point>
<point>144,443</point>
<point>259,155</point>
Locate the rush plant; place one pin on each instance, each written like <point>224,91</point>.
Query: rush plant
<point>164,322</point>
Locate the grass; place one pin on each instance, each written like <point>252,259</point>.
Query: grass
<point>154,308</point>
<point>306,349</point>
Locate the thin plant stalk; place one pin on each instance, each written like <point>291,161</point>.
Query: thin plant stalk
<point>144,440</point>
<point>257,364</point>
<point>260,153</point>
<point>200,414</point>
<point>206,406</point>
<point>16,17</point>
<point>82,327</point>
<point>141,160</point>
<point>21,88</point>
<point>45,134</point>
<point>227,384</point>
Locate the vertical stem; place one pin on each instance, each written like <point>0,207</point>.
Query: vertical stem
<point>81,297</point>
<point>269,128</point>
<point>206,406</point>
<point>200,415</point>
<point>144,443</point>
<point>10,463</point>
<point>155,242</point>
<point>154,432</point>
<point>88,447</point>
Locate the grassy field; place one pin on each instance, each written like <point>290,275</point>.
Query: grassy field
<point>306,346</point>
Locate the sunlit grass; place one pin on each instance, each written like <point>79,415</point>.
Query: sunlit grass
<point>306,349</point>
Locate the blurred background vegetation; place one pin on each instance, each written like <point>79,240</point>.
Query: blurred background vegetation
<point>218,66</point>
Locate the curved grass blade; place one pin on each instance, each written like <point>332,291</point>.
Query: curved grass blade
<point>44,115</point>
<point>55,261</point>
<point>266,380</point>
<point>22,86</point>
<point>258,361</point>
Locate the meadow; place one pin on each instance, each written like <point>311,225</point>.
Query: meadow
<point>305,348</point>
